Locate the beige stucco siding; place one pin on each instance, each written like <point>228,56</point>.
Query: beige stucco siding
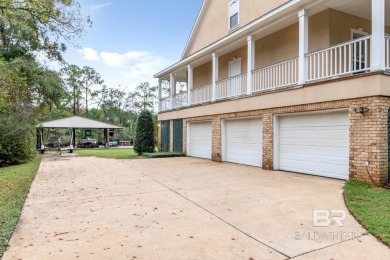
<point>224,60</point>
<point>250,10</point>
<point>214,25</point>
<point>203,75</point>
<point>279,46</point>
<point>283,45</point>
<point>342,23</point>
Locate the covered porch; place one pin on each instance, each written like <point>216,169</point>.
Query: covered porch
<point>243,67</point>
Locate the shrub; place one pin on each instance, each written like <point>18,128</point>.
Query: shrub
<point>144,137</point>
<point>163,155</point>
<point>17,141</point>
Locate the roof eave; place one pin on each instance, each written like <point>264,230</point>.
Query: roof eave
<point>195,29</point>
<point>245,29</point>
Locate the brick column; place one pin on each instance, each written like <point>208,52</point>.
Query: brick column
<point>159,135</point>
<point>216,139</point>
<point>268,141</point>
<point>185,136</point>
<point>369,140</point>
<point>171,136</point>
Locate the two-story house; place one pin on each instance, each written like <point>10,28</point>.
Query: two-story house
<point>299,85</point>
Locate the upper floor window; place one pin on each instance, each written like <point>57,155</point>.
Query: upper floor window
<point>233,13</point>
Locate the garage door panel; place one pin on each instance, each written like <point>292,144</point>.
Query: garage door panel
<point>200,140</point>
<point>315,144</point>
<point>243,141</point>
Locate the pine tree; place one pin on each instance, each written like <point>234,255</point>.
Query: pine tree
<point>144,138</point>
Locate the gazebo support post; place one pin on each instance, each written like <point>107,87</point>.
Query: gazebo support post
<point>74,137</point>
<point>39,138</point>
<point>106,137</point>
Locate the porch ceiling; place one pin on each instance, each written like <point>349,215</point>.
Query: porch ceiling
<point>360,8</point>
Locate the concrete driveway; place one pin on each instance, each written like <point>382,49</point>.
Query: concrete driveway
<point>182,208</point>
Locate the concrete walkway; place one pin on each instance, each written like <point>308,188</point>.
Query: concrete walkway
<point>182,208</point>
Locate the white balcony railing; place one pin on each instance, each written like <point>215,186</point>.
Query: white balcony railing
<point>202,94</point>
<point>346,58</point>
<point>343,59</point>
<point>387,40</point>
<point>180,100</point>
<point>165,104</point>
<point>279,75</point>
<point>231,87</point>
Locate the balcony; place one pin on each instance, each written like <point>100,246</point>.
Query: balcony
<point>180,100</point>
<point>340,60</point>
<point>231,87</point>
<point>276,76</point>
<point>343,59</point>
<point>202,94</point>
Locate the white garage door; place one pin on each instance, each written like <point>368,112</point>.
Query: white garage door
<point>243,141</point>
<point>200,140</point>
<point>316,144</point>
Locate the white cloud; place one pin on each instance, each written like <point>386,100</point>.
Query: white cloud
<point>134,66</point>
<point>96,7</point>
<point>89,54</point>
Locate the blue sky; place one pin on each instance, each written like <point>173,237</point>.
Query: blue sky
<point>131,40</point>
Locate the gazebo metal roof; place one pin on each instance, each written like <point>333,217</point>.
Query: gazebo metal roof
<point>77,122</point>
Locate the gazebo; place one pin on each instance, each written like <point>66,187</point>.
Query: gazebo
<point>73,123</point>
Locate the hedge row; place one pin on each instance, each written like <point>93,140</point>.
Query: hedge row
<point>163,155</point>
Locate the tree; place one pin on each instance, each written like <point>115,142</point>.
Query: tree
<point>145,96</point>
<point>28,26</point>
<point>144,139</point>
<point>27,86</point>
<point>90,78</point>
<point>72,74</point>
<point>28,89</point>
<point>79,81</point>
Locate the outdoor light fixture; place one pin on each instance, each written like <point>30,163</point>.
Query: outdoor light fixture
<point>361,110</point>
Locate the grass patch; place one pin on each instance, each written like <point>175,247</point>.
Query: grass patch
<point>162,155</point>
<point>15,182</point>
<point>109,153</point>
<point>370,206</point>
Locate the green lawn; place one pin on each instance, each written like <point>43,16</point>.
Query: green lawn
<point>371,207</point>
<point>109,153</point>
<point>15,182</point>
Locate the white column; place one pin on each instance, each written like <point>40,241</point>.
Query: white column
<point>159,94</point>
<point>190,83</point>
<point>251,64</point>
<point>303,45</point>
<point>378,35</point>
<point>172,91</point>
<point>215,75</point>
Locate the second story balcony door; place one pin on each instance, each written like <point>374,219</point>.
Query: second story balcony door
<point>359,51</point>
<point>234,85</point>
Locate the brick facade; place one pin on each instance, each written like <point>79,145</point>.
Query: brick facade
<point>268,141</point>
<point>368,133</point>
